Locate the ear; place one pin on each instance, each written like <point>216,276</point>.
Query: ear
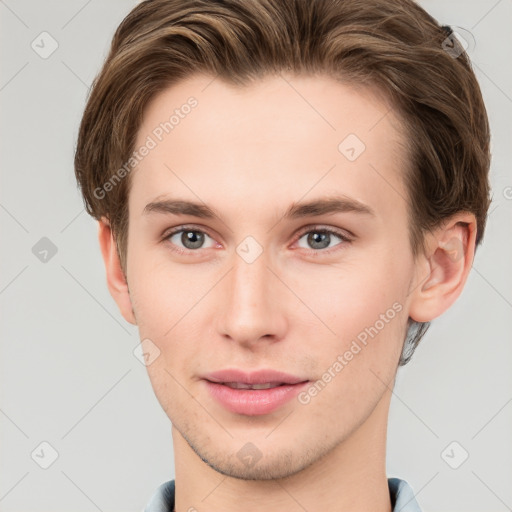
<point>116,280</point>
<point>443,268</point>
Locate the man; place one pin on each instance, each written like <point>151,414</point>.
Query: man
<point>287,193</point>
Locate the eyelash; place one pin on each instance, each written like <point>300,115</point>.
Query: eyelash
<point>308,229</point>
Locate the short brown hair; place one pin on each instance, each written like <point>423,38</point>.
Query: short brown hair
<point>391,44</point>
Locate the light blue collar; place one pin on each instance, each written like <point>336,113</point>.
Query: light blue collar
<point>402,497</point>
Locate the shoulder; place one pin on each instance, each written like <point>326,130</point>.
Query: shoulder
<point>402,496</point>
<point>162,499</point>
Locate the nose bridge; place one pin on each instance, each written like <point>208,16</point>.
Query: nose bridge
<point>249,304</point>
<point>249,280</point>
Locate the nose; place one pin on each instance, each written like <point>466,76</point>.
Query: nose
<point>252,303</point>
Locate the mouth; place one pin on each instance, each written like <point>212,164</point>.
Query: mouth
<point>243,385</point>
<point>253,394</point>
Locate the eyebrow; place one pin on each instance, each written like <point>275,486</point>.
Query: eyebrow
<point>314,208</point>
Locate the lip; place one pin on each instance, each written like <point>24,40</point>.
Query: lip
<point>253,402</point>
<point>257,377</point>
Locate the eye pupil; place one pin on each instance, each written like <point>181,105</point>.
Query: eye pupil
<point>317,237</point>
<point>192,239</point>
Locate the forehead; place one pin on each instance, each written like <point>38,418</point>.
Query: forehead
<point>275,140</point>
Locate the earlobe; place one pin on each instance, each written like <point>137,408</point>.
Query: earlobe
<point>116,280</point>
<point>443,270</point>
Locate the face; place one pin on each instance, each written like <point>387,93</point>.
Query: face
<point>267,273</point>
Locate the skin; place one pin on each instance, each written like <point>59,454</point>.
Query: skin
<point>250,153</point>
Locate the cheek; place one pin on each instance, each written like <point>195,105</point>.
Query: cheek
<point>366,308</point>
<point>160,292</point>
<point>359,366</point>
<point>169,301</point>
<point>354,297</point>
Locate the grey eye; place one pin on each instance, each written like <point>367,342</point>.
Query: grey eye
<point>319,239</point>
<point>190,239</point>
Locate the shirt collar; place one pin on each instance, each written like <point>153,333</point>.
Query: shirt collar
<point>402,496</point>
<point>401,493</point>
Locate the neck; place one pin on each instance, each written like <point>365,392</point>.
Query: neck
<point>349,478</point>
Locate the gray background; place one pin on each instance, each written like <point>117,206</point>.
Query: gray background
<point>68,375</point>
